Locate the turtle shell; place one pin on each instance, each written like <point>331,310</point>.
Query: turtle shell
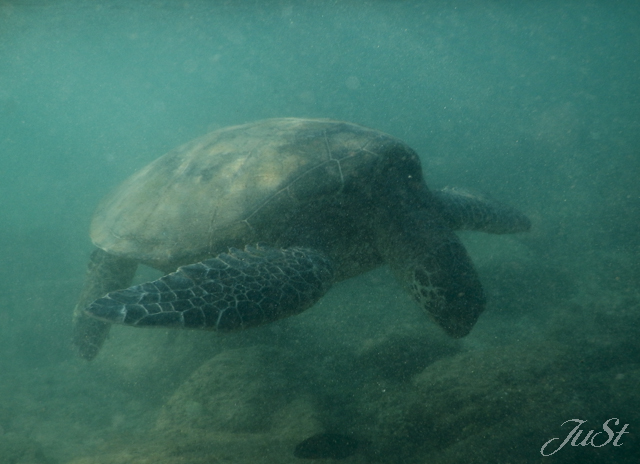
<point>237,185</point>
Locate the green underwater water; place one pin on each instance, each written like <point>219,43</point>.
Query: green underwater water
<point>532,103</point>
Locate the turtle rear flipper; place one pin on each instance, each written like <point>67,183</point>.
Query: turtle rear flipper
<point>105,273</point>
<point>235,290</point>
<point>430,261</point>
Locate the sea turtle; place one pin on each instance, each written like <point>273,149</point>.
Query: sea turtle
<point>272,213</point>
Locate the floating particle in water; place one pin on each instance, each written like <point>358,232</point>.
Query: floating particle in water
<point>352,83</point>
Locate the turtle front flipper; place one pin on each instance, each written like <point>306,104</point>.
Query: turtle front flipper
<point>430,261</point>
<point>105,273</point>
<point>233,291</point>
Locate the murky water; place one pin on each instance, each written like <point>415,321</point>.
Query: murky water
<point>531,103</point>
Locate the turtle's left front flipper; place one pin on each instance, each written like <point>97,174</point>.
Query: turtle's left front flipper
<point>233,291</point>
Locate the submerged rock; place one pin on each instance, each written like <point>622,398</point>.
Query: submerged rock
<point>326,446</point>
<point>17,448</point>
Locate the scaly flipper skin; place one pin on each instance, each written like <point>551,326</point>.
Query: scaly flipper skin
<point>432,264</point>
<point>105,273</point>
<point>233,291</point>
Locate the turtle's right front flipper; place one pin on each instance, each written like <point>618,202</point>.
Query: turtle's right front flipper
<point>432,264</point>
<point>105,273</point>
<point>233,291</point>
